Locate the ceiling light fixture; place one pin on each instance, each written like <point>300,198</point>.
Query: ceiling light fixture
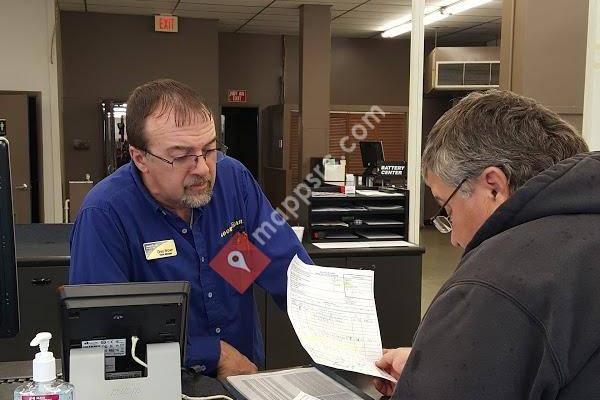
<point>434,16</point>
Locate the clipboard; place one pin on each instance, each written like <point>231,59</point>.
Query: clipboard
<point>325,371</point>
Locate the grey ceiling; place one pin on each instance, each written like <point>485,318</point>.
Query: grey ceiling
<point>350,18</point>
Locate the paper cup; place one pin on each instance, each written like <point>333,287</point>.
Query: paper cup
<point>299,231</point>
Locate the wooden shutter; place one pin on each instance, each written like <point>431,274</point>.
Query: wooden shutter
<point>338,127</point>
<point>295,148</point>
<point>391,130</point>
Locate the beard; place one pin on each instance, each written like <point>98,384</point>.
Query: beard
<point>195,198</point>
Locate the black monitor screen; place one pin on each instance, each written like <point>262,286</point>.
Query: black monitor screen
<point>371,152</point>
<point>108,315</point>
<point>9,306</point>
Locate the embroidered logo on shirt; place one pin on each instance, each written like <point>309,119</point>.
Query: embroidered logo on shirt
<point>160,249</point>
<point>232,227</point>
<point>239,262</point>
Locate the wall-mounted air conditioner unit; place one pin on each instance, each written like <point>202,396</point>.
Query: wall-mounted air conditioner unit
<point>463,68</point>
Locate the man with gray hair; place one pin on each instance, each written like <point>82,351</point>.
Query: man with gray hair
<point>520,316</point>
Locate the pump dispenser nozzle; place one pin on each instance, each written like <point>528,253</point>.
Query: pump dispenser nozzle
<point>42,339</point>
<point>44,366</point>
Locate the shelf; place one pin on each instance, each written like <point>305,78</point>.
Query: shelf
<point>361,227</point>
<point>349,208</point>
<point>357,212</point>
<point>358,239</point>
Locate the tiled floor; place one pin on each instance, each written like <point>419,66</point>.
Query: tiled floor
<point>439,262</point>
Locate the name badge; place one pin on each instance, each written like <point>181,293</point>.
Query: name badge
<point>160,249</point>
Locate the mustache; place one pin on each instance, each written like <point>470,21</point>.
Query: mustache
<point>197,180</point>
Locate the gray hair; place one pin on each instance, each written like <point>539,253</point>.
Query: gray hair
<point>501,129</point>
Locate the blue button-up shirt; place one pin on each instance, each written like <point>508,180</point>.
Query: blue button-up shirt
<point>119,215</point>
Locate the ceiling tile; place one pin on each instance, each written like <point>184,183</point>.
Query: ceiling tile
<point>250,3</point>
<point>127,9</point>
<point>350,18</point>
<point>218,8</point>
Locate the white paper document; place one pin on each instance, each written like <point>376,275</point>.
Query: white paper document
<point>289,384</point>
<point>357,245</point>
<point>333,313</point>
<point>304,396</point>
<point>377,193</point>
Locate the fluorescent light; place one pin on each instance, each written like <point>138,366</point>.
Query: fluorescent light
<point>404,25</point>
<point>396,23</point>
<point>397,31</point>
<point>464,5</point>
<point>405,19</point>
<point>434,17</point>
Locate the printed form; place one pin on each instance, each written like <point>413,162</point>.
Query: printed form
<point>291,384</point>
<point>304,396</point>
<point>333,313</point>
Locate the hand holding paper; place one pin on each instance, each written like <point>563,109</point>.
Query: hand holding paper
<point>333,313</point>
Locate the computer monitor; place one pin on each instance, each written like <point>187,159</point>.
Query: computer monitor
<point>9,300</point>
<point>108,315</point>
<point>371,152</point>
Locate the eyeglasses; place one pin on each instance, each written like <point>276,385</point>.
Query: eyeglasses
<point>190,161</point>
<point>441,222</point>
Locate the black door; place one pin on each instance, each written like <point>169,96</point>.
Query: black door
<point>241,135</point>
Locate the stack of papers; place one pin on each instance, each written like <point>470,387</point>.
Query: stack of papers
<point>375,193</point>
<point>333,313</point>
<point>359,245</point>
<point>289,384</point>
<point>381,221</point>
<point>304,396</point>
<point>328,194</point>
<point>386,208</point>
<point>334,209</point>
<point>329,224</point>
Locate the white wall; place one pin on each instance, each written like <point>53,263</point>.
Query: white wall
<point>591,116</point>
<point>28,63</point>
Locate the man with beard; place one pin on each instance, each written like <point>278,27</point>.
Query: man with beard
<point>171,214</point>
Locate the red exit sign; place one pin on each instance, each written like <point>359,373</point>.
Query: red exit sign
<point>237,96</point>
<point>165,23</point>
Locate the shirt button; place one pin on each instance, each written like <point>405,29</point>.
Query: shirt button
<point>184,230</point>
<point>202,368</point>
<point>210,297</point>
<point>202,259</point>
<point>218,330</point>
<point>164,212</point>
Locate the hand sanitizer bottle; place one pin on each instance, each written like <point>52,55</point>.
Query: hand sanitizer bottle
<point>45,385</point>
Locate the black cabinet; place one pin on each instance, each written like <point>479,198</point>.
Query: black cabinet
<point>42,266</point>
<point>38,309</point>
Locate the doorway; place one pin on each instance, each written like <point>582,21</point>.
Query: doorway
<point>239,127</point>
<point>20,112</point>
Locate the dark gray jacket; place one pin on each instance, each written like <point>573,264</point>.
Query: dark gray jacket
<point>520,317</point>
